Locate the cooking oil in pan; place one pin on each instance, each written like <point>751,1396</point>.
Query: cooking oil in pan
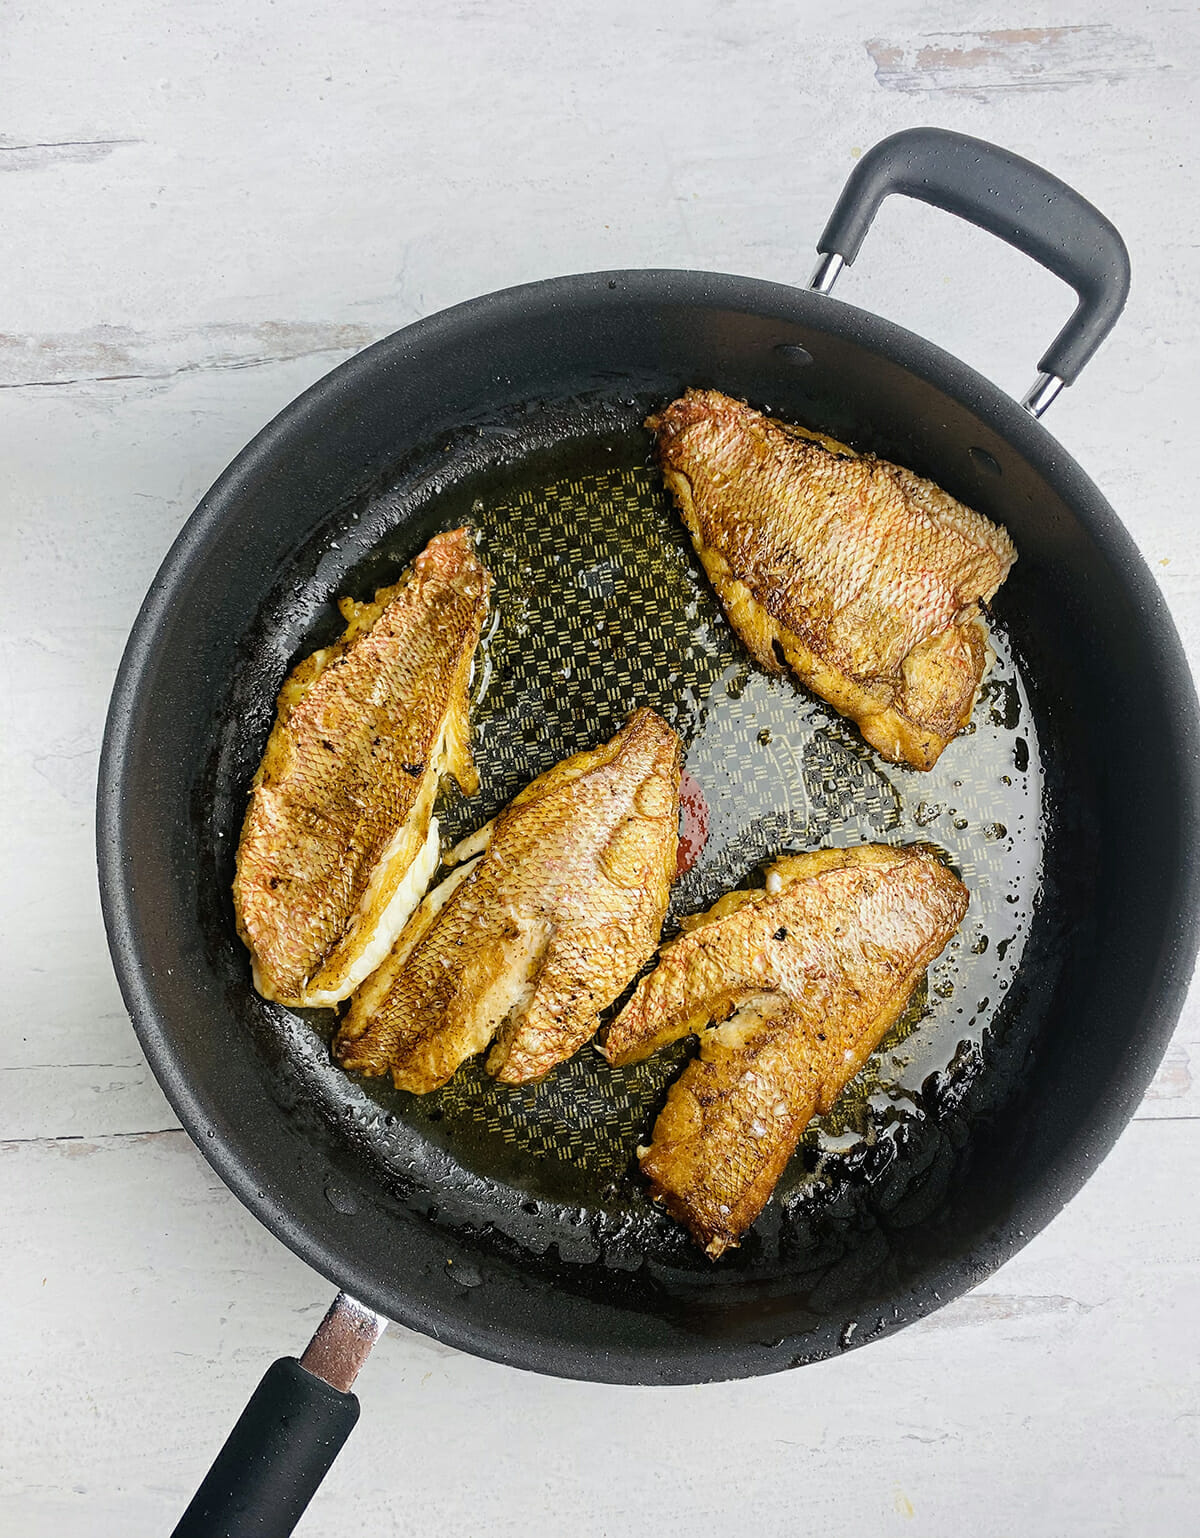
<point>599,607</point>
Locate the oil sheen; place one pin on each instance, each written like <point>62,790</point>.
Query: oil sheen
<point>600,606</point>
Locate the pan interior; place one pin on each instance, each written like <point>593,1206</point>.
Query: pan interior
<point>600,606</point>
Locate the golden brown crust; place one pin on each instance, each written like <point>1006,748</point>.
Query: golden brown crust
<point>340,807</point>
<point>866,580</point>
<point>820,965</point>
<point>563,907</point>
<point>732,1121</point>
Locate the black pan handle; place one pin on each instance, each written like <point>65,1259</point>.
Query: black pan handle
<point>1011,197</point>
<point>281,1449</point>
<point>287,1437</point>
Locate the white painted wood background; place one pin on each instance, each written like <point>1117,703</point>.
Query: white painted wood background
<point>205,207</point>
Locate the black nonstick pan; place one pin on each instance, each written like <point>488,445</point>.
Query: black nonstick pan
<point>512,1222</point>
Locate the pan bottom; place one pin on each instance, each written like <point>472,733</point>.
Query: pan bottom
<point>600,606</point>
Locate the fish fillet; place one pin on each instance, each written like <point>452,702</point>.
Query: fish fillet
<point>340,841</point>
<point>533,938</point>
<point>865,579</point>
<point>816,968</point>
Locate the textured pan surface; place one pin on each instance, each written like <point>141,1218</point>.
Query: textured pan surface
<point>599,606</point>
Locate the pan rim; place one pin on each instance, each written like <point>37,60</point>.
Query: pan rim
<point>224,1145</point>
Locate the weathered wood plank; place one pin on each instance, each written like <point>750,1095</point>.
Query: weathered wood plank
<point>1055,1400</point>
<point>1013,59</point>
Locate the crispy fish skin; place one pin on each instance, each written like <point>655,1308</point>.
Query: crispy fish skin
<point>864,578</point>
<point>818,969</point>
<point>339,839</point>
<point>541,932</point>
<point>732,1121</point>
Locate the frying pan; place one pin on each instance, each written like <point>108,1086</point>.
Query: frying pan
<point>512,1223</point>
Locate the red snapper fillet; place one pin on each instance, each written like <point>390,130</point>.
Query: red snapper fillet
<point>530,941</point>
<point>340,840</point>
<point>866,580</point>
<point>806,978</point>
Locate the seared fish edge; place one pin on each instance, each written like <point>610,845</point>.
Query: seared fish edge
<point>339,840</point>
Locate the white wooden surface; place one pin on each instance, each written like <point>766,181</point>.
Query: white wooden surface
<point>206,206</point>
